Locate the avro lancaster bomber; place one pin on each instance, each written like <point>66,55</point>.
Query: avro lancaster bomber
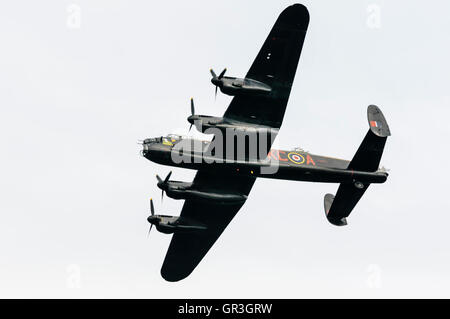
<point>240,152</point>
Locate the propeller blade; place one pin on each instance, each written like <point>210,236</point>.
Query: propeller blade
<point>213,73</point>
<point>149,230</point>
<point>162,195</point>
<point>192,106</point>
<point>167,177</point>
<point>152,209</point>
<point>215,94</point>
<point>159,178</point>
<point>222,74</point>
<point>190,128</point>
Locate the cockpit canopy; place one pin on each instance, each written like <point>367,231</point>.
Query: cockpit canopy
<point>174,138</point>
<point>169,139</point>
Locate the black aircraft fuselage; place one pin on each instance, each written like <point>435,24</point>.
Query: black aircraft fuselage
<point>295,165</point>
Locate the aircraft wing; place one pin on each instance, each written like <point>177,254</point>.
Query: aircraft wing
<point>275,65</point>
<point>186,250</point>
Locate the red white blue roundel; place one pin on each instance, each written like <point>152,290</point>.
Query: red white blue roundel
<point>296,158</point>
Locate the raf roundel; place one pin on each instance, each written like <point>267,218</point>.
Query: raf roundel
<point>296,158</point>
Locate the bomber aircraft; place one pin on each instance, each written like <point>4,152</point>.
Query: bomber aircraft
<point>240,151</point>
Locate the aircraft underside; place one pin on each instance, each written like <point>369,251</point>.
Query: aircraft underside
<point>227,170</point>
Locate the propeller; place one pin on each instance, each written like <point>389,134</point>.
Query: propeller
<point>217,80</point>
<point>162,184</point>
<point>150,229</point>
<point>152,212</point>
<point>192,111</point>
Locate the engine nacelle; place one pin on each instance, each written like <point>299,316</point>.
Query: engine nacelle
<point>203,195</point>
<point>173,224</point>
<point>204,122</point>
<point>239,86</point>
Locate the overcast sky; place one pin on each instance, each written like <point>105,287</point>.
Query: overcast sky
<point>81,83</point>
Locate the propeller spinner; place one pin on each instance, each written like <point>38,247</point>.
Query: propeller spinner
<point>217,80</point>
<point>163,184</point>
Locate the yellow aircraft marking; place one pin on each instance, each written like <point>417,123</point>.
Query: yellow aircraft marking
<point>293,155</point>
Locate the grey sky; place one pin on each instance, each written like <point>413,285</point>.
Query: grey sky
<point>75,191</point>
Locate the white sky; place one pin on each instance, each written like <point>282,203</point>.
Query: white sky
<point>75,190</point>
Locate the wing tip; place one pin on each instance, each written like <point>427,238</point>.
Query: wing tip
<point>172,275</point>
<point>296,14</point>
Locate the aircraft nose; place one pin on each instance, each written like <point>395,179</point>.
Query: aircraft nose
<point>144,149</point>
<point>147,145</point>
